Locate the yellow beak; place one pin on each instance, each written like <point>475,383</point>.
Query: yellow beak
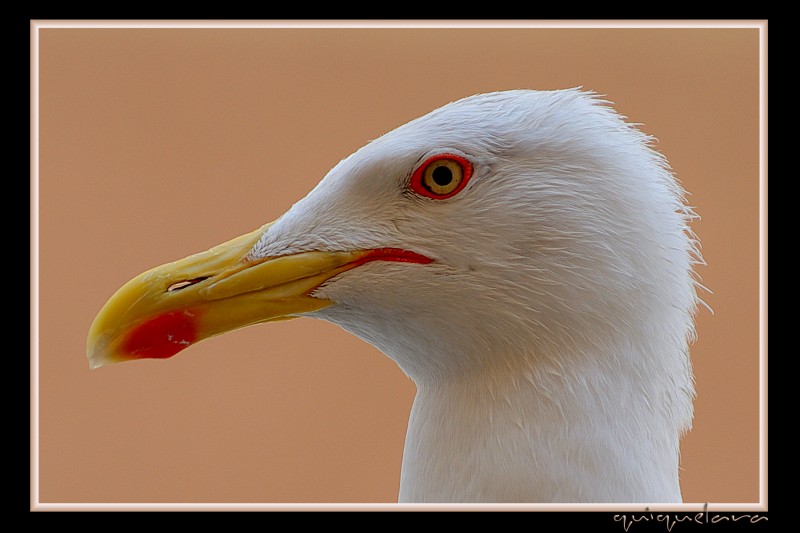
<point>168,308</point>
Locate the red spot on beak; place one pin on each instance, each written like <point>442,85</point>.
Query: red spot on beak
<point>162,336</point>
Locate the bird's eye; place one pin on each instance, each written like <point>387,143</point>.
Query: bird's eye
<point>441,176</point>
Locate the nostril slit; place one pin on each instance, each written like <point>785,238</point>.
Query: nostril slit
<point>178,285</point>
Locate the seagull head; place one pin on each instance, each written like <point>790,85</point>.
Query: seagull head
<point>517,225</point>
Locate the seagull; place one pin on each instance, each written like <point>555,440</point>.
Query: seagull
<point>524,256</point>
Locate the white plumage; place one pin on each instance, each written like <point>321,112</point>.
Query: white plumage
<point>539,291</point>
<point>548,340</point>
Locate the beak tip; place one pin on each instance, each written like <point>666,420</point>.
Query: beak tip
<point>97,352</point>
<point>95,360</point>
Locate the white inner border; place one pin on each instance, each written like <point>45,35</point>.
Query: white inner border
<point>659,512</point>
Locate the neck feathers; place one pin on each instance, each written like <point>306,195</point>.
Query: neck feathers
<point>595,429</point>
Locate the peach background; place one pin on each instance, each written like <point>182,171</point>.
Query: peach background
<point>157,143</point>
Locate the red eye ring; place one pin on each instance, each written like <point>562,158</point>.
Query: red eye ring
<point>441,176</point>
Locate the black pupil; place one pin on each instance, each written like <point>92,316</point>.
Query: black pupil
<point>442,176</point>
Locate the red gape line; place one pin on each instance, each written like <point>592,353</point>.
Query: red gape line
<point>391,254</point>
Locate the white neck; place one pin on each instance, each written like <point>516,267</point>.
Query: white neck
<point>550,432</point>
